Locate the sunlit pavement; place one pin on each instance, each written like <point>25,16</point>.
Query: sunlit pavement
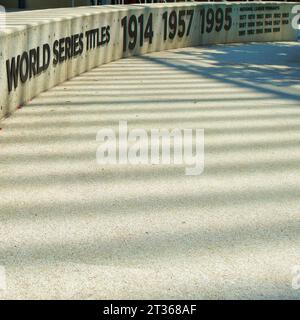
<point>73,229</point>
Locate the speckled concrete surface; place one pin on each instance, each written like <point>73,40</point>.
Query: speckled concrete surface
<point>75,230</point>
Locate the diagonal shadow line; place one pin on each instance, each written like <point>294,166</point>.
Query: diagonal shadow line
<point>91,136</point>
<point>148,174</point>
<point>147,101</point>
<point>210,149</point>
<point>151,247</point>
<point>150,203</point>
<point>107,110</point>
<point>203,119</point>
<point>210,73</point>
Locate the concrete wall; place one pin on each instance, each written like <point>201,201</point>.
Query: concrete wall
<point>40,49</point>
<point>38,4</point>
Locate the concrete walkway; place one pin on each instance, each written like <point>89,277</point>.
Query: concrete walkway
<point>73,229</point>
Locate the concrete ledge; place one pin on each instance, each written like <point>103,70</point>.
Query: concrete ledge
<point>40,49</point>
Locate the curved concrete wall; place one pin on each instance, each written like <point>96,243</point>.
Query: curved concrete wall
<point>40,49</point>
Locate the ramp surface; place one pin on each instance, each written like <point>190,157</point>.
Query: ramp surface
<point>73,229</point>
